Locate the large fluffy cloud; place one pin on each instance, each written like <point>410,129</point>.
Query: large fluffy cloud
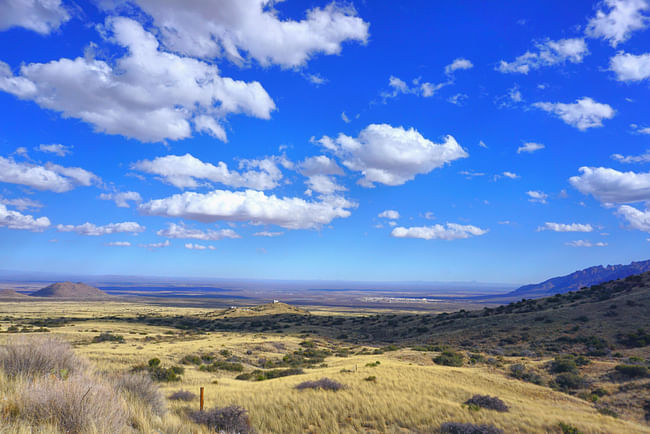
<point>547,53</point>
<point>253,28</point>
<point>251,206</point>
<point>392,155</point>
<point>49,177</point>
<point>611,186</point>
<point>91,229</point>
<point>181,231</point>
<point>183,171</point>
<point>15,220</point>
<point>147,94</point>
<point>449,231</point>
<point>583,114</point>
<point>566,227</point>
<point>42,16</point>
<point>630,67</point>
<point>617,24</point>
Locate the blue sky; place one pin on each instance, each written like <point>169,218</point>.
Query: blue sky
<point>502,142</point>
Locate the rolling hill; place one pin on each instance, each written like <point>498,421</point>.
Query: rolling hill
<point>77,291</point>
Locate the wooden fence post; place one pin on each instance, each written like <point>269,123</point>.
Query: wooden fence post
<point>201,398</point>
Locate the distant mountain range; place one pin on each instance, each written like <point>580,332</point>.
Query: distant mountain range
<point>574,281</point>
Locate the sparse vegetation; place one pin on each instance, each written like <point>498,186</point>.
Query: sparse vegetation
<point>632,371</point>
<point>182,395</point>
<point>323,383</point>
<point>159,373</point>
<point>108,337</point>
<point>450,358</point>
<point>487,402</point>
<point>232,419</point>
<point>468,428</point>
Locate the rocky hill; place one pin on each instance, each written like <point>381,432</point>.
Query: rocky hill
<point>78,291</point>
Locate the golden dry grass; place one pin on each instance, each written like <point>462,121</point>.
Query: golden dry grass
<point>411,393</point>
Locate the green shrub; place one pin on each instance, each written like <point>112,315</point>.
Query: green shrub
<point>108,337</point>
<point>563,363</point>
<point>569,429</point>
<point>158,373</point>
<point>449,358</point>
<point>222,366</point>
<point>371,378</point>
<point>632,371</point>
<point>568,381</point>
<point>373,364</point>
<point>520,372</point>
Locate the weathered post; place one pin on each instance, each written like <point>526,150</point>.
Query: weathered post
<point>201,399</point>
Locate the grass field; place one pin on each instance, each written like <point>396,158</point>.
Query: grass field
<point>410,393</point>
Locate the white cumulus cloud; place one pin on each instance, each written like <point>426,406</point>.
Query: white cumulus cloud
<point>56,149</point>
<point>389,214</point>
<point>181,231</point>
<point>537,196</point>
<point>119,244</point>
<point>529,147</point>
<point>242,29</point>
<point>643,158</point>
<point>184,171</point>
<point>583,114</point>
<point>584,243</point>
<point>566,227</point>
<point>50,177</point>
<point>93,230</point>
<point>391,155</point>
<point>147,94</point>
<point>199,247</point>
<point>459,63</point>
<point>15,220</point>
<point>251,206</point>
<point>123,198</point>
<point>547,53</point>
<point>637,219</point>
<point>612,186</point>
<point>630,67</point>
<point>449,231</point>
<point>41,16</point>
<point>617,24</point>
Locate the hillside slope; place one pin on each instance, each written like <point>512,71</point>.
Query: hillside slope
<point>78,291</point>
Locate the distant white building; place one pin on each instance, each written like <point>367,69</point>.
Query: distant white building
<point>276,301</point>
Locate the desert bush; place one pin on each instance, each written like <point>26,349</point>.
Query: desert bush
<point>568,381</point>
<point>520,372</point>
<point>182,395</point>
<point>140,386</point>
<point>323,383</point>
<point>371,378</point>
<point>632,371</point>
<point>640,338</point>
<point>220,365</point>
<point>158,373</point>
<point>231,419</point>
<point>75,405</point>
<point>108,337</point>
<point>36,356</point>
<point>373,364</point>
<point>488,402</point>
<point>568,429</point>
<point>468,428</point>
<point>563,363</point>
<point>191,359</point>
<point>449,358</point>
